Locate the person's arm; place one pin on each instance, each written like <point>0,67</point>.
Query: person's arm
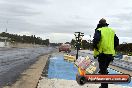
<point>116,41</point>
<point>97,37</point>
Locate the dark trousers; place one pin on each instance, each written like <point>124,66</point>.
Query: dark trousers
<point>104,61</point>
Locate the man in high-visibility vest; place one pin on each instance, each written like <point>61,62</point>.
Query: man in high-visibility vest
<point>104,43</point>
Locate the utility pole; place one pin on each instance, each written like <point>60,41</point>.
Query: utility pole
<point>6,32</point>
<point>90,42</point>
<point>78,37</point>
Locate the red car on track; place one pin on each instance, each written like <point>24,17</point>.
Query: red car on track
<point>65,47</point>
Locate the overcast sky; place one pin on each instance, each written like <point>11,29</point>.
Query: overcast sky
<point>59,19</point>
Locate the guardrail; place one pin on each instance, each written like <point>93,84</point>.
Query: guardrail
<point>123,64</point>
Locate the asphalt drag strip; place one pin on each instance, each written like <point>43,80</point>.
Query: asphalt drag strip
<point>30,77</point>
<point>14,61</point>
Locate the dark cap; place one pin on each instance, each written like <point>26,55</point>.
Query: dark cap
<point>102,21</point>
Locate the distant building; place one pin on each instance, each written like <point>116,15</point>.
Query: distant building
<point>3,42</point>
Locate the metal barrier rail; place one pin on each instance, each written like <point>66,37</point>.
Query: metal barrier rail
<point>123,64</point>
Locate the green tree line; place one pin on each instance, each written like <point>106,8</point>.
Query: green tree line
<point>24,39</point>
<point>125,48</point>
<point>86,44</point>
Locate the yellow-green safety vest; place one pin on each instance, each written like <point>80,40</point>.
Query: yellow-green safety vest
<point>106,43</point>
